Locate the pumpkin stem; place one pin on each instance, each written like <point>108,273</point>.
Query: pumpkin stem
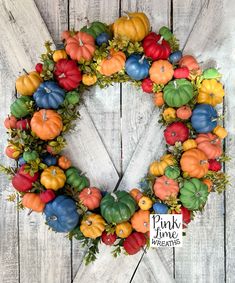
<point>203,162</point>
<point>88,222</point>
<point>142,59</point>
<point>80,42</point>
<point>175,84</point>
<point>53,172</point>
<point>214,119</point>
<point>47,90</point>
<point>44,115</point>
<point>52,218</point>
<point>61,76</point>
<point>25,71</point>
<point>127,15</point>
<point>114,196</point>
<point>160,40</point>
<point>89,191</point>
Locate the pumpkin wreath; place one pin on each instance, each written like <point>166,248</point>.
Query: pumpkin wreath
<point>45,110</point>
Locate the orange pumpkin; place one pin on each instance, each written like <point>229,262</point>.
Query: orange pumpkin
<point>165,187</point>
<point>209,184</point>
<point>64,162</point>
<point>89,79</point>
<point>136,194</point>
<point>33,201</point>
<point>90,197</point>
<point>123,230</point>
<point>145,203</point>
<point>59,54</point>
<point>114,63</point>
<point>46,124</point>
<point>140,221</point>
<point>81,46</point>
<point>220,132</point>
<point>194,162</point>
<point>184,112</point>
<point>191,63</point>
<point>161,72</point>
<point>189,144</point>
<point>158,99</point>
<point>210,144</point>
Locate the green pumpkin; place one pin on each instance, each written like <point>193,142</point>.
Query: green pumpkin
<point>193,194</point>
<point>172,172</point>
<point>75,179</point>
<point>72,97</point>
<point>30,155</point>
<point>211,73</point>
<point>178,92</point>
<point>19,107</point>
<point>117,207</point>
<point>95,28</point>
<point>165,33</point>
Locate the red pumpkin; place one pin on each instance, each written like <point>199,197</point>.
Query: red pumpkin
<point>23,181</point>
<point>191,63</point>
<point>133,243</point>
<point>210,144</point>
<point>184,112</point>
<point>181,73</point>
<point>186,215</point>
<point>176,132</point>
<point>147,85</point>
<point>67,74</point>
<point>156,47</point>
<point>39,68</point>
<point>90,197</point>
<point>214,165</point>
<point>10,122</point>
<point>23,124</point>
<point>47,196</point>
<point>108,239</point>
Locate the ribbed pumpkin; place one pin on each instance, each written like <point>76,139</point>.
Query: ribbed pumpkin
<point>64,162</point>
<point>158,99</point>
<point>195,163</point>
<point>189,144</point>
<point>137,67</point>
<point>169,114</point>
<point>94,28</point>
<point>191,63</point>
<point>80,46</point>
<point>33,201</point>
<point>13,151</point>
<point>165,187</point>
<point>210,144</point>
<point>193,194</point>
<point>184,112</point>
<point>172,172</point>
<point>123,230</point>
<point>211,92</point>
<point>220,132</point>
<point>19,107</point>
<point>176,132</point>
<point>23,181</point>
<point>161,72</point>
<point>89,79</point>
<point>145,203</point>
<point>90,197</point>
<point>10,122</point>
<point>136,194</point>
<point>28,83</point>
<point>209,184</point>
<point>92,225</point>
<point>134,243</point>
<point>59,54</point>
<point>53,178</point>
<point>134,26</point>
<point>178,92</point>
<point>46,124</point>
<point>75,179</point>
<point>140,221</point>
<point>112,64</point>
<point>157,168</point>
<point>117,207</point>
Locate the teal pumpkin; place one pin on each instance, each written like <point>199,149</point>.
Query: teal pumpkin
<point>211,73</point>
<point>72,97</point>
<point>20,108</point>
<point>178,92</point>
<point>165,33</point>
<point>75,179</point>
<point>193,194</point>
<point>95,28</point>
<point>172,172</point>
<point>117,207</point>
<point>30,155</point>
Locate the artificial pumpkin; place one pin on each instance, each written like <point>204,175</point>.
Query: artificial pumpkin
<point>23,124</point>
<point>136,194</point>
<point>108,238</point>
<point>165,33</point>
<point>67,74</point>
<point>72,97</point>
<point>147,85</point>
<point>104,37</point>
<point>94,28</point>
<point>113,63</point>
<point>169,114</point>
<point>145,203</point>
<point>13,151</point>
<point>220,132</point>
<point>117,207</point>
<point>23,181</point>
<point>160,208</point>
<point>184,112</point>
<point>75,179</point>
<point>33,202</point>
<point>172,172</point>
<point>53,178</point>
<point>181,73</point>
<point>210,92</point>
<point>211,73</point>
<point>195,163</point>
<point>134,243</point>
<point>157,168</point>
<point>39,68</point>
<point>214,165</point>
<point>89,79</point>
<point>175,57</point>
<point>123,230</point>
<point>10,122</point>
<point>210,144</point>
<point>30,155</point>
<point>156,47</point>
<point>90,197</point>
<point>140,221</point>
<point>28,83</point>
<point>80,46</point>
<point>189,144</point>
<point>178,92</point>
<point>61,214</point>
<point>191,63</point>
<point>47,196</point>
<point>158,99</point>
<point>49,159</point>
<point>165,187</point>
<point>193,194</point>
<point>92,225</point>
<point>46,124</point>
<point>59,54</point>
<point>161,72</point>
<point>20,107</point>
<point>209,184</point>
<point>49,95</point>
<point>64,162</point>
<point>186,215</point>
<point>176,132</point>
<point>134,26</point>
<point>204,118</point>
<point>137,67</point>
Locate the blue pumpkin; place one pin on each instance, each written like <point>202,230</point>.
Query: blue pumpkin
<point>104,37</point>
<point>21,161</point>
<point>49,159</point>
<point>175,57</point>
<point>61,214</point>
<point>204,118</point>
<point>137,67</point>
<point>49,95</point>
<point>160,208</point>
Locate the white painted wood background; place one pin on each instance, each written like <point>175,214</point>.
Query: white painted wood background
<point>117,137</point>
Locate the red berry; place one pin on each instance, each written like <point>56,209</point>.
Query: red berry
<point>147,85</point>
<point>214,165</point>
<point>47,196</point>
<point>39,67</point>
<point>108,239</point>
<point>23,124</point>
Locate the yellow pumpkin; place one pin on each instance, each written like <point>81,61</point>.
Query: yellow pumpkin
<point>59,54</point>
<point>123,230</point>
<point>189,144</point>
<point>92,226</point>
<point>134,26</point>
<point>221,132</point>
<point>28,83</point>
<point>157,168</point>
<point>89,79</point>
<point>53,178</point>
<point>210,92</point>
<point>145,203</point>
<point>169,114</point>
